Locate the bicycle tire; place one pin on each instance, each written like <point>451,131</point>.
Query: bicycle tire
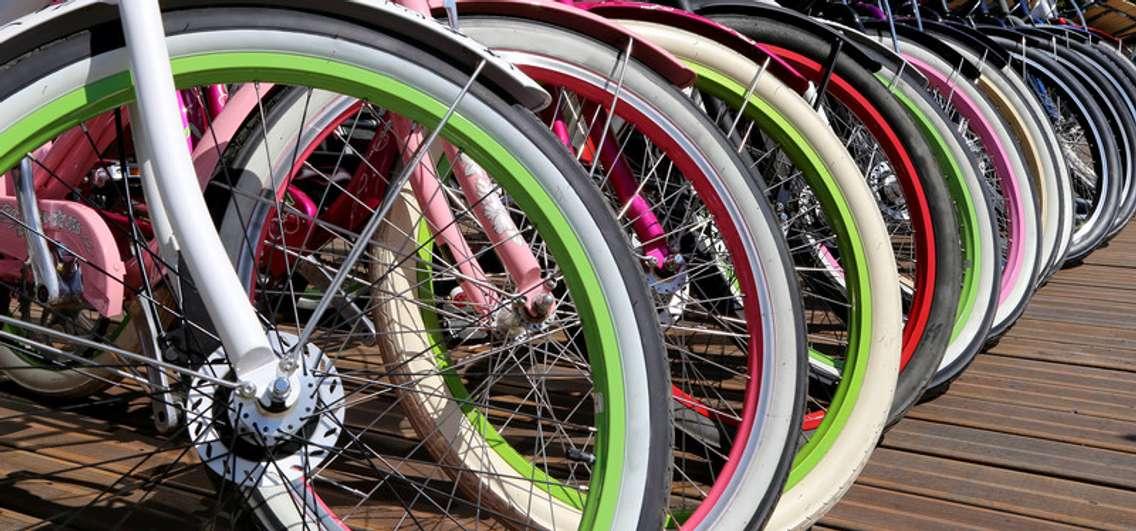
<point>198,40</point>
<point>913,162</point>
<point>835,453</point>
<point>555,56</point>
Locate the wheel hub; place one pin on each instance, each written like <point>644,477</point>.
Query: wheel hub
<point>287,428</point>
<point>672,291</point>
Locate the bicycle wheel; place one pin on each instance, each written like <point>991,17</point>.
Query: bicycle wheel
<point>1089,147</point>
<point>1041,162</point>
<point>738,384</point>
<point>1126,76</point>
<point>910,189</point>
<point>1050,144</point>
<point>829,213</point>
<point>59,376</point>
<point>1018,221</point>
<point>346,461</point>
<point>73,151</point>
<point>1116,87</point>
<point>978,232</point>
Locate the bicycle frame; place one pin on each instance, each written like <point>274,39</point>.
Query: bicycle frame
<point>168,173</point>
<point>651,234</point>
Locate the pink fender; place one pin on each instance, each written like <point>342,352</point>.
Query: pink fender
<point>572,18</point>
<point>687,21</point>
<point>223,127</point>
<point>69,158</point>
<point>80,229</point>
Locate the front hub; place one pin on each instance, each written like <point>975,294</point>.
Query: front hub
<point>286,428</point>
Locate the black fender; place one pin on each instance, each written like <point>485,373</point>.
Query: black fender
<point>790,18</point>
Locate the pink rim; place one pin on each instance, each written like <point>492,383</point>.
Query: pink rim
<point>1000,156</point>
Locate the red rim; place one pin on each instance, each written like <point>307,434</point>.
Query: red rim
<point>905,171</point>
<point>733,243</point>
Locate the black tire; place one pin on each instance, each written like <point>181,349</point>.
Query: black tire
<point>1098,72</point>
<point>945,375</point>
<point>1089,113</point>
<point>1122,74</point>
<point>731,177</point>
<point>925,359</point>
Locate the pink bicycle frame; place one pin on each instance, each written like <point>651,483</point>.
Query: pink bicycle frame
<point>651,234</point>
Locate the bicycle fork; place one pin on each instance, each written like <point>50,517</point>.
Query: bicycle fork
<point>534,299</point>
<point>489,209</point>
<point>253,361</point>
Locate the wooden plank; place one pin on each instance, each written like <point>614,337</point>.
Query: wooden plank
<point>1065,314</point>
<point>867,507</point>
<point>1024,494</point>
<point>85,443</point>
<point>1091,296</point>
<point>1063,460</point>
<point>1049,396</point>
<point>51,489</point>
<point>1083,299</point>
<point>1089,336</point>
<point>1119,258</point>
<point>1070,279</point>
<point>1120,385</point>
<point>1033,422</point>
<point>1097,275</point>
<point>1110,313</point>
<point>10,519</point>
<point>1077,355</point>
<point>87,440</point>
<point>1122,236</point>
<point>1124,242</point>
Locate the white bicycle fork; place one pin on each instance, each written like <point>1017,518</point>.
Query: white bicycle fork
<point>173,184</point>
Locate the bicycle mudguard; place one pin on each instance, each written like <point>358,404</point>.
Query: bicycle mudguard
<point>881,52</point>
<point>944,50</point>
<point>780,15</point>
<point>856,46</point>
<point>581,21</point>
<point>82,231</point>
<point>101,18</point>
<point>704,27</point>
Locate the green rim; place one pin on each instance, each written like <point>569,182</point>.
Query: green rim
<point>98,96</point>
<point>852,252</point>
<point>964,208</point>
<point>454,383</point>
<point>825,359</point>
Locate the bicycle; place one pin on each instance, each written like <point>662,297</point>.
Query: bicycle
<point>469,107</point>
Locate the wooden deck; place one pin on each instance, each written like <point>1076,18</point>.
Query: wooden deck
<point>1040,433</point>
